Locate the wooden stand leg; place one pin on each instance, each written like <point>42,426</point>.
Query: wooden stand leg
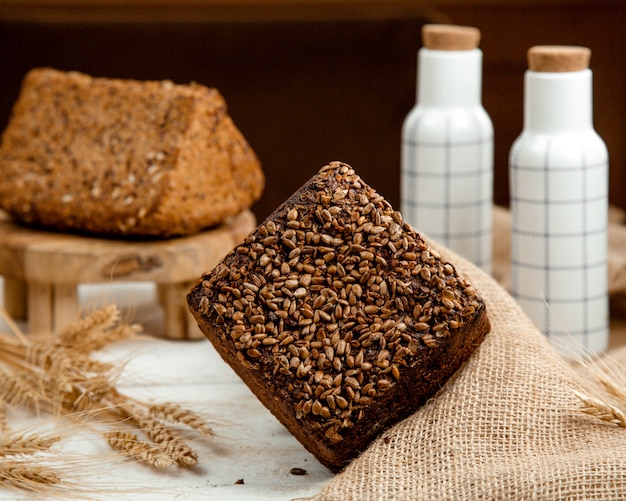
<point>161,294</point>
<point>15,298</point>
<point>193,331</point>
<point>39,308</point>
<point>65,305</point>
<point>177,323</point>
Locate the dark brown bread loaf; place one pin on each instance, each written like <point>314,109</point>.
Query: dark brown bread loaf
<point>123,157</point>
<point>338,316</point>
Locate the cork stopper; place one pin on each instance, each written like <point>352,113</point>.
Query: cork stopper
<point>450,37</point>
<point>558,58</point>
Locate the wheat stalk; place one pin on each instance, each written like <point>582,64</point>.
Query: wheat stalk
<point>4,426</point>
<point>13,326</point>
<point>57,374</point>
<point>90,333</point>
<point>19,390</point>
<point>172,413</point>
<point>604,395</point>
<point>611,386</point>
<point>49,475</point>
<point>27,476</point>
<point>21,444</point>
<point>129,444</point>
<point>601,410</point>
<point>176,448</point>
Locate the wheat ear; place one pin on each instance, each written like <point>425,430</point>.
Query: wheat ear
<point>26,476</point>
<point>133,448</point>
<point>601,410</point>
<point>178,450</point>
<point>173,413</point>
<point>23,444</point>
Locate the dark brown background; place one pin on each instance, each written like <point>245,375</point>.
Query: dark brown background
<point>309,82</point>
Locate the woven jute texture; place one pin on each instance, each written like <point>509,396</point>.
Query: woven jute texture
<point>507,426</point>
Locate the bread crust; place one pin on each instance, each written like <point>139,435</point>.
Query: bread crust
<point>309,326</point>
<point>123,157</point>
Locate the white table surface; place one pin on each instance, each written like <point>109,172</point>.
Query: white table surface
<point>250,443</point>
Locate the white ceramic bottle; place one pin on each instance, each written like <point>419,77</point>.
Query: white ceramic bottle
<point>559,204</point>
<point>447,146</point>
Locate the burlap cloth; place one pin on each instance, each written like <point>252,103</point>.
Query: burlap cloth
<point>507,426</point>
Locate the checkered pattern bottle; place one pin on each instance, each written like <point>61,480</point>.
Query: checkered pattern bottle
<point>447,146</point>
<point>559,203</point>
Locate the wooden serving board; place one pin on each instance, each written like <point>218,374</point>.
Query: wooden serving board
<point>42,269</point>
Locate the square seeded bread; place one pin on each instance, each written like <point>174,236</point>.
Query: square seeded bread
<point>123,157</point>
<point>338,316</point>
